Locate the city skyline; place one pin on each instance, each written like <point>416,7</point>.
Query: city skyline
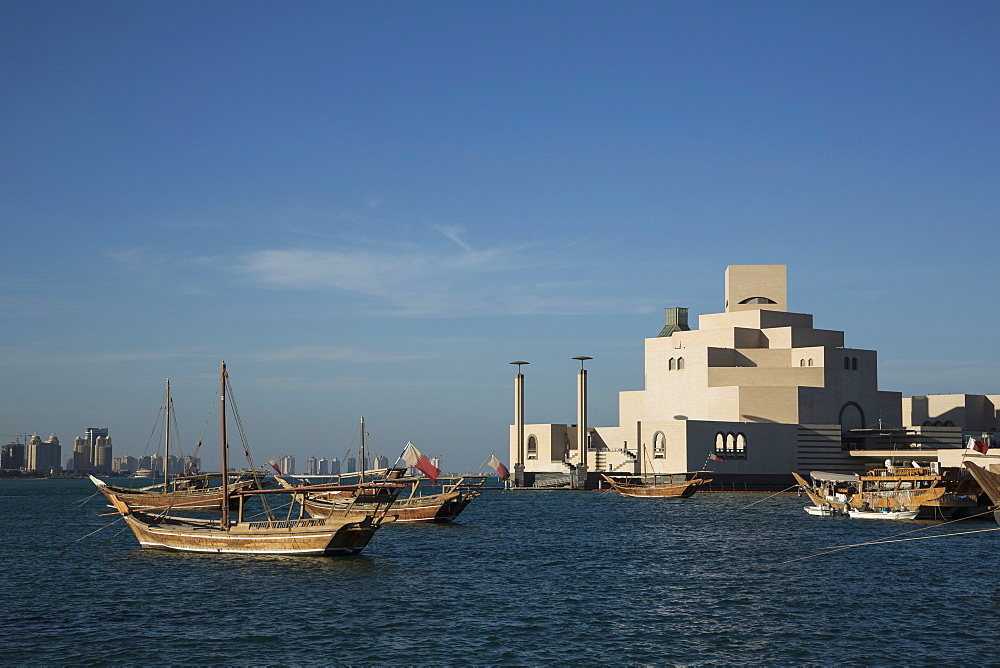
<point>370,210</point>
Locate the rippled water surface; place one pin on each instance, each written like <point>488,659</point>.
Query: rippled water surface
<point>524,578</point>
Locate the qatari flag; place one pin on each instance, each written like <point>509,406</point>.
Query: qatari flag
<point>500,468</point>
<point>274,465</point>
<point>412,457</point>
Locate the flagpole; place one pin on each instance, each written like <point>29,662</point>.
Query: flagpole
<point>486,462</point>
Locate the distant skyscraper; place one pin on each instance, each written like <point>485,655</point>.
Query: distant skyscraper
<point>99,448</point>
<point>287,464</point>
<point>311,466</point>
<point>191,464</point>
<point>334,466</point>
<point>126,464</point>
<point>381,462</point>
<point>324,466</point>
<point>81,454</point>
<point>352,465</point>
<point>436,461</point>
<point>44,456</point>
<point>156,465</point>
<point>12,456</point>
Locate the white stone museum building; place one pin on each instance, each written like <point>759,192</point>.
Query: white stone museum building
<point>760,388</point>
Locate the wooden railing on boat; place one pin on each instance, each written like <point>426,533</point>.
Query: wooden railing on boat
<point>287,524</point>
<point>898,472</point>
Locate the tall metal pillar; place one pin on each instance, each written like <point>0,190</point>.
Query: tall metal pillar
<point>519,425</point>
<point>581,422</point>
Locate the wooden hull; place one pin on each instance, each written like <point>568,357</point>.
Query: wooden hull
<point>187,500</point>
<point>672,490</point>
<point>990,482</point>
<point>427,508</point>
<point>315,537</point>
<point>820,500</point>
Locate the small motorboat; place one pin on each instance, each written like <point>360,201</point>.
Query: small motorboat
<point>883,514</point>
<point>824,511</point>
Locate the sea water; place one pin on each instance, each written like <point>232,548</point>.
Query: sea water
<point>525,577</point>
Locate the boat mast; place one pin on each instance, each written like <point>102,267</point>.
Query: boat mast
<point>225,459</point>
<point>166,441</point>
<point>362,449</point>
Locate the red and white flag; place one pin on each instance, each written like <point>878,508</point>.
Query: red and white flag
<point>499,467</point>
<point>412,457</point>
<point>981,447</point>
<point>714,457</point>
<point>274,465</point>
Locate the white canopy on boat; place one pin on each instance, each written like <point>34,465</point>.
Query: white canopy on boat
<point>833,477</point>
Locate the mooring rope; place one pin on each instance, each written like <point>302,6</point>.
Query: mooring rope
<point>60,549</point>
<point>878,542</point>
<point>78,504</point>
<point>895,535</point>
<point>765,498</point>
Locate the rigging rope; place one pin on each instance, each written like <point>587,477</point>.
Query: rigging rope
<point>246,448</point>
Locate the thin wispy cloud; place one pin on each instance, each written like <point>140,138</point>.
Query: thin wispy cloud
<point>440,275</point>
<point>433,280</point>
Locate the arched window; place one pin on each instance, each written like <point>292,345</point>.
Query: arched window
<point>720,443</point>
<point>847,362</point>
<point>802,362</point>
<point>949,423</point>
<point>532,447</point>
<point>937,423</point>
<point>927,423</point>
<point>758,300</point>
<point>672,364</point>
<point>741,445</point>
<point>680,363</point>
<point>854,363</point>
<point>810,362</point>
<point>730,442</point>
<point>659,445</point>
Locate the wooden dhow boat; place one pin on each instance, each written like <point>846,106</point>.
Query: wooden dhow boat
<point>335,535</point>
<point>178,495</point>
<point>456,494</point>
<point>931,491</point>
<point>659,485</point>
<point>990,482</point>
<point>341,534</point>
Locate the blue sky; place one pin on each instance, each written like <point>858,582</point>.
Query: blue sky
<point>370,208</point>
